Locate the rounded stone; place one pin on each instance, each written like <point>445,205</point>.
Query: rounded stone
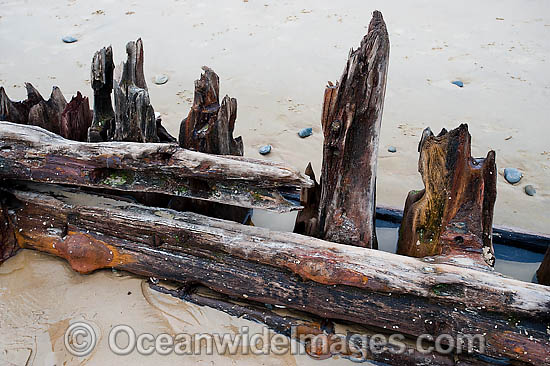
<point>161,79</point>
<point>264,150</point>
<point>305,132</point>
<point>69,39</point>
<point>392,149</point>
<point>530,190</point>
<point>512,175</point>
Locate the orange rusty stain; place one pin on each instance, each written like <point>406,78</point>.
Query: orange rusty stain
<point>84,252</point>
<point>519,349</point>
<point>317,270</point>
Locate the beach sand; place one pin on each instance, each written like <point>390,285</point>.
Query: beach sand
<point>276,58</point>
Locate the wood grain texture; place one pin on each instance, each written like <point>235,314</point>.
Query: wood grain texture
<point>31,153</point>
<point>76,119</point>
<point>209,126</point>
<point>102,73</point>
<point>360,285</point>
<point>453,215</point>
<point>134,115</point>
<point>351,119</point>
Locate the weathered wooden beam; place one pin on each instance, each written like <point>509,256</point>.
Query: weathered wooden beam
<point>360,285</point>
<point>453,215</point>
<point>543,273</point>
<point>353,341</point>
<point>351,118</point>
<point>31,153</point>
<point>209,126</point>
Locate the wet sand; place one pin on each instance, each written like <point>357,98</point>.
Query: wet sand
<point>275,58</point>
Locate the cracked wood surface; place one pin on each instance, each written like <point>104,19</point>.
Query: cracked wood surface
<point>31,153</point>
<point>361,285</point>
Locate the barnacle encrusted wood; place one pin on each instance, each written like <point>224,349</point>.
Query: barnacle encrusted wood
<point>352,114</point>
<point>364,286</point>
<point>453,215</point>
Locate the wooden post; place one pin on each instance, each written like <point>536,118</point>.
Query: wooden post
<point>103,124</point>
<point>452,216</point>
<point>352,114</point>
<point>543,273</point>
<point>134,116</point>
<point>76,119</point>
<point>209,127</point>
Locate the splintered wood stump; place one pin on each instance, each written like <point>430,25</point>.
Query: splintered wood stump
<point>34,110</point>
<point>352,114</point>
<point>360,285</point>
<point>209,127</point>
<point>543,273</point>
<point>452,216</point>
<point>307,219</point>
<point>31,153</point>
<point>134,116</point>
<point>76,119</point>
<point>103,124</point>
<point>68,120</point>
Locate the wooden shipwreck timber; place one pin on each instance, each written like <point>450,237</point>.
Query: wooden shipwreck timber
<point>131,198</point>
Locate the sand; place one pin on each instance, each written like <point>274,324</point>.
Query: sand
<point>276,58</point>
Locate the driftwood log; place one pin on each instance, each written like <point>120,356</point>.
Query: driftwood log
<point>351,118</point>
<point>31,153</point>
<point>543,273</point>
<point>360,285</point>
<point>452,216</point>
<point>353,341</point>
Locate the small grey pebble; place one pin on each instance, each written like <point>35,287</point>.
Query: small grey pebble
<point>161,79</point>
<point>530,190</point>
<point>264,150</point>
<point>305,132</point>
<point>69,39</point>
<point>392,149</point>
<point>512,175</point>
